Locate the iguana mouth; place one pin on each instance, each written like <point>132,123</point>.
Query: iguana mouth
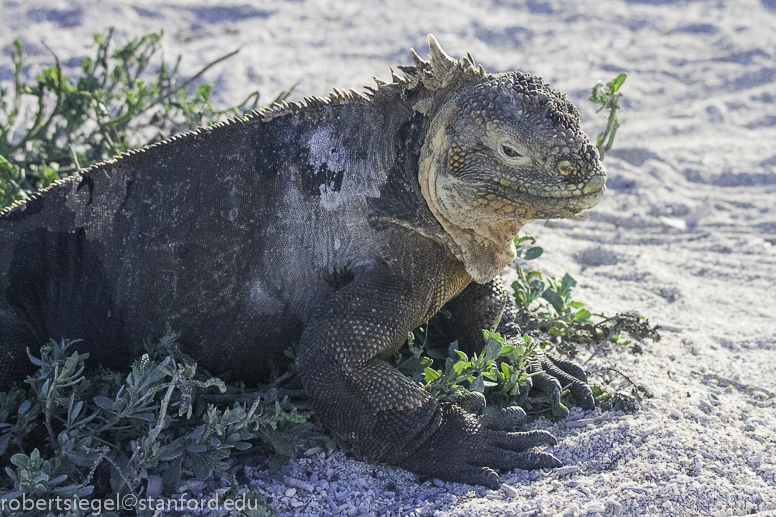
<point>594,185</point>
<point>555,207</point>
<point>574,195</point>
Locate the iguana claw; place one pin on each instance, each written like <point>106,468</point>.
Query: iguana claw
<point>466,448</point>
<point>551,376</point>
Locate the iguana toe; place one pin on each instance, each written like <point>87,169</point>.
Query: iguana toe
<point>508,419</point>
<point>573,378</point>
<point>478,476</point>
<point>521,441</point>
<point>471,402</point>
<point>551,376</point>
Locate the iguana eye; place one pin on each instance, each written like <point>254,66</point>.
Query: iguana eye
<point>510,151</point>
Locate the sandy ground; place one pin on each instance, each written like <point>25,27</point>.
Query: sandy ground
<point>686,233</point>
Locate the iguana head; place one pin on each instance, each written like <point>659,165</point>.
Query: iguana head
<point>502,150</point>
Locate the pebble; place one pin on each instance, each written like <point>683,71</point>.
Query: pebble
<point>291,492</point>
<point>595,507</point>
<point>706,407</point>
<point>675,413</point>
<point>298,483</point>
<point>313,451</point>
<point>585,422</point>
<point>567,470</point>
<point>510,491</point>
<point>616,507</point>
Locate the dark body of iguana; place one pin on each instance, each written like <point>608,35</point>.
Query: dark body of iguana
<point>341,224</point>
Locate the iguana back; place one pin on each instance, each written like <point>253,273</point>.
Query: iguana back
<point>229,235</point>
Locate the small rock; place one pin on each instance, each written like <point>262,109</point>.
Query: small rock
<point>567,470</point>
<point>585,422</point>
<point>509,491</point>
<point>296,503</point>
<point>291,492</point>
<point>298,483</point>
<point>706,407</point>
<point>439,483</point>
<point>675,413</point>
<point>595,507</point>
<point>313,451</point>
<point>616,507</point>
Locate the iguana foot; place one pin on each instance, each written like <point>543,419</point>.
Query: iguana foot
<point>552,376</point>
<point>467,448</point>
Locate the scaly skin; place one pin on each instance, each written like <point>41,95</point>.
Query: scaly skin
<point>340,224</point>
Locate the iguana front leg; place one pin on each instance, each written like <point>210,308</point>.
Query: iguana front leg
<point>477,308</point>
<point>382,412</point>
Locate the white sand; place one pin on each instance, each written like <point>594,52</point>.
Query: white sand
<point>685,234</point>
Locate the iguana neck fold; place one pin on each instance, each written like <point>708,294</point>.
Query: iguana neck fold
<point>484,251</point>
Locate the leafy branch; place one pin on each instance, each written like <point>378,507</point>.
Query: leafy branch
<point>608,98</point>
<point>124,98</point>
<point>103,434</point>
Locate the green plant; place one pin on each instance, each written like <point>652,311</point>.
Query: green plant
<point>608,99</point>
<point>499,370</point>
<point>73,430</point>
<point>124,98</point>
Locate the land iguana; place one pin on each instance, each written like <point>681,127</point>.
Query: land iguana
<point>338,223</point>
